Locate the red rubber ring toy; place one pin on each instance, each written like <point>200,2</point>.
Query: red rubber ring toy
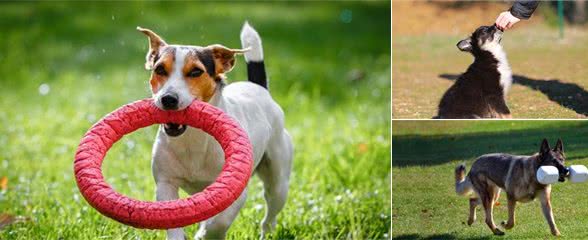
<point>215,198</point>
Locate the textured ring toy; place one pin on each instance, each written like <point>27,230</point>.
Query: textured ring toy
<point>228,186</point>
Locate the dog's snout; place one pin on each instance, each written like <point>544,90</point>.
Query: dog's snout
<point>169,101</point>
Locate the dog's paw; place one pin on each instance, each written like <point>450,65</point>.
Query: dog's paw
<point>556,233</point>
<point>497,232</point>
<point>471,221</point>
<point>506,226</point>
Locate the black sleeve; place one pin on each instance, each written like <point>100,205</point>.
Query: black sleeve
<point>523,9</point>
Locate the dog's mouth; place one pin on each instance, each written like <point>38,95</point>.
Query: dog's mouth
<point>563,174</point>
<point>173,129</point>
<point>497,33</point>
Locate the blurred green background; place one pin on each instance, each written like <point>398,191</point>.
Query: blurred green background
<point>65,65</point>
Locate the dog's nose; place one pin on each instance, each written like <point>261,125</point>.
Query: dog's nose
<point>169,101</point>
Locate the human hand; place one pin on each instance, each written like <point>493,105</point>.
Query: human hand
<point>506,20</point>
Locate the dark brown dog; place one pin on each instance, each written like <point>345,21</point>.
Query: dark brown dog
<point>516,176</point>
<point>480,92</point>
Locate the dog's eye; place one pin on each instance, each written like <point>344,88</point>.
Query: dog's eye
<point>195,72</point>
<point>160,70</point>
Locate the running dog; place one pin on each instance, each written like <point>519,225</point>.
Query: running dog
<point>516,176</point>
<point>481,91</point>
<point>190,159</point>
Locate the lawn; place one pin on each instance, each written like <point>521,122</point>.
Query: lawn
<point>424,157</point>
<point>65,65</point>
<point>549,73</point>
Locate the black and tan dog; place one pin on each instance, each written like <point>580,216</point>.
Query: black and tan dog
<point>480,92</point>
<point>516,175</point>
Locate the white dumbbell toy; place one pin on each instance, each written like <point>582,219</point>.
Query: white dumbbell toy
<point>550,174</point>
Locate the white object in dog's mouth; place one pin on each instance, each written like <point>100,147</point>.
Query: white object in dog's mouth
<point>547,175</point>
<point>578,173</point>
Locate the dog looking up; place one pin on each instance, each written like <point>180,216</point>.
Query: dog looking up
<point>481,91</point>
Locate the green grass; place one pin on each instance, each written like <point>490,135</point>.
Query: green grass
<point>91,57</point>
<point>542,88</point>
<point>425,154</point>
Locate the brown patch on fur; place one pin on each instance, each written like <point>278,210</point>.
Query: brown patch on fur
<point>167,61</point>
<point>224,58</point>
<point>156,43</point>
<point>203,86</point>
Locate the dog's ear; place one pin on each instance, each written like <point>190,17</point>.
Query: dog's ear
<point>544,147</point>
<point>224,58</point>
<point>465,45</point>
<point>156,43</point>
<point>559,146</point>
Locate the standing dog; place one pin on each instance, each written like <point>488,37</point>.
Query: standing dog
<point>516,176</point>
<point>481,91</point>
<point>188,158</point>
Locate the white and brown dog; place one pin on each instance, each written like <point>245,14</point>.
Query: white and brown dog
<point>190,159</point>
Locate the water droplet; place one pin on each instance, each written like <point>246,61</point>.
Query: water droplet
<point>113,17</point>
<point>315,209</point>
<point>376,92</point>
<point>258,207</point>
<point>91,118</point>
<point>346,16</point>
<point>130,144</point>
<point>44,89</point>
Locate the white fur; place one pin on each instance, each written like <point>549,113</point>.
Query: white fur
<point>250,39</point>
<point>194,159</point>
<point>176,83</point>
<point>495,48</point>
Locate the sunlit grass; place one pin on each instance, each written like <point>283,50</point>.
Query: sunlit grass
<point>423,180</point>
<point>65,65</point>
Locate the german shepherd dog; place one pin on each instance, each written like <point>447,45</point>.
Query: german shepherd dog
<point>516,176</point>
<point>480,92</point>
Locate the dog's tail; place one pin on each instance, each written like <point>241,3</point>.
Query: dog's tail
<point>254,57</point>
<point>463,185</point>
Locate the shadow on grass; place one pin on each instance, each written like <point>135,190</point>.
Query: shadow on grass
<point>568,95</point>
<point>431,237</point>
<point>414,150</point>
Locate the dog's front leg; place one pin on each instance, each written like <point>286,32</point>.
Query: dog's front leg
<point>545,197</point>
<point>217,226</point>
<point>167,191</point>
<point>511,214</point>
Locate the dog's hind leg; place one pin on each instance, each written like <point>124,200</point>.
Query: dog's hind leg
<point>474,202</point>
<point>511,211</point>
<point>274,172</point>
<point>487,196</point>
<point>496,195</point>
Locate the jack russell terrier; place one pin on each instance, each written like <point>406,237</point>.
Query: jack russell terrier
<point>190,159</point>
